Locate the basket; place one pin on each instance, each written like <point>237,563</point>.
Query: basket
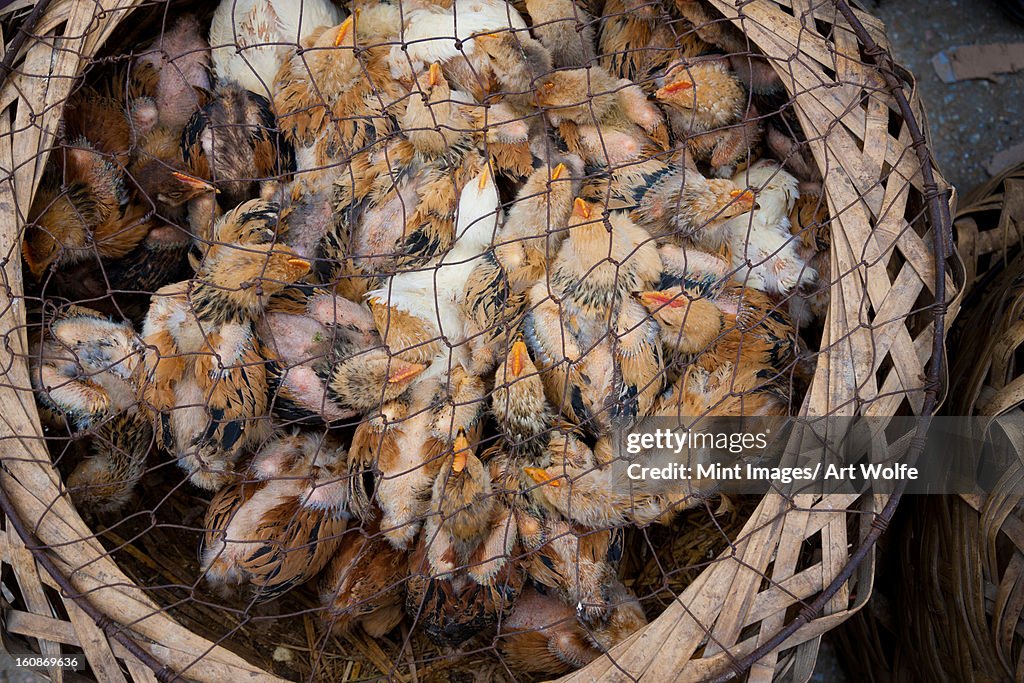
<point>797,568</point>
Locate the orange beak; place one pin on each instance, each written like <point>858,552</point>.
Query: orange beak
<point>540,476</point>
<point>343,31</point>
<point>673,88</point>
<point>743,197</point>
<point>557,171</point>
<point>405,373</point>
<point>434,75</point>
<point>655,300</point>
<point>482,183</point>
<point>580,208</point>
<point>517,359</point>
<point>197,184</point>
<point>300,264</point>
<point>461,448</point>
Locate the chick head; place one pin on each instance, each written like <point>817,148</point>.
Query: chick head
<point>583,96</point>
<point>463,489</point>
<point>245,266</point>
<point>369,380</point>
<point>688,322</point>
<point>713,201</point>
<point>705,90</point>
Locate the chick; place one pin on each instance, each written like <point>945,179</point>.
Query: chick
<point>84,373</point>
<point>397,456</point>
<point>742,346</point>
<point>810,225</point>
<point>181,57</point>
<point>518,402</point>
<point>544,201</point>
<point>576,564</point>
<point>364,585</point>
<point>431,296</point>
<point>92,120</point>
<point>707,107</point>
<point>81,212</point>
<point>753,69</point>
<point>686,206</point>
<point>450,36</point>
<point>205,380</point>
<point>332,102</point>
<point>639,38</point>
<point>251,39</point>
<point>586,487</point>
<point>605,120</point>
<point>722,322</point>
<point>277,529</point>
<point>517,60</point>
<point>566,30</point>
<point>323,358</point>
<point>461,581</point>
<point>764,252</point>
<point>234,143</point>
<point>541,635</point>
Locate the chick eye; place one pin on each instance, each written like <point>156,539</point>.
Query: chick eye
<point>549,86</point>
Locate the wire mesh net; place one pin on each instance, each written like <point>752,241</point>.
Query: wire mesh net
<point>333,317</point>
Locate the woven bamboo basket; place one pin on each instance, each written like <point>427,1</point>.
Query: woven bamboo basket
<point>795,569</point>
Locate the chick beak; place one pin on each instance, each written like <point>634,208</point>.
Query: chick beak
<point>197,184</point>
<point>484,175</point>
<point>517,361</point>
<point>557,172</point>
<point>434,75</point>
<point>405,373</point>
<point>343,31</point>
<point>580,208</point>
<point>540,476</point>
<point>461,448</point>
<point>655,300</point>
<point>672,88</point>
<point>301,266</point>
<point>743,197</point>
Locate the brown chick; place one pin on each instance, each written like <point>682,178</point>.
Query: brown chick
<point>181,57</point>
<point>566,29</point>
<point>277,529</point>
<point>707,107</point>
<point>205,380</point>
<point>234,143</point>
<point>160,179</point>
<point>364,585</point>
<point>542,635</point>
<point>100,120</point>
<point>518,403</point>
<point>81,211</point>
<point>686,206</point>
<point>575,564</point>
<point>461,581</point>
<point>636,38</point>
<point>84,374</point>
<point>810,224</point>
<point>517,59</point>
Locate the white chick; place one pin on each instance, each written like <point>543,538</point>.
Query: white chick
<point>251,39</point>
<point>436,34</point>
<point>764,253</point>
<point>433,294</point>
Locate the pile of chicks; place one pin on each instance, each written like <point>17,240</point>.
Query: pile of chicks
<point>386,278</point>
